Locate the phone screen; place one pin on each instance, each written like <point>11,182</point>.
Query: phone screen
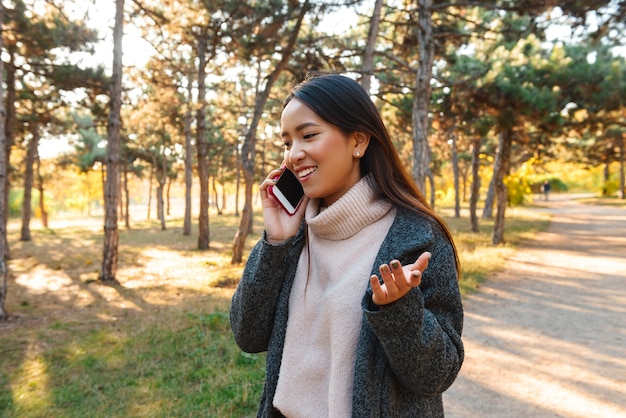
<point>288,188</point>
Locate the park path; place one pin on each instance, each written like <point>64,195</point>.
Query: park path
<point>546,337</point>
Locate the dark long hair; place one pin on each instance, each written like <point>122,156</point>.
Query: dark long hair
<point>342,102</point>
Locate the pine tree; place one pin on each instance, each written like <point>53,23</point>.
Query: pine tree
<point>4,272</point>
<point>111,191</point>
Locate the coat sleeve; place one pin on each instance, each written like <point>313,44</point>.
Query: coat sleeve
<point>420,334</point>
<point>253,304</point>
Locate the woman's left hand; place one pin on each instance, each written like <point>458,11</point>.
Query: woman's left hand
<point>397,279</point>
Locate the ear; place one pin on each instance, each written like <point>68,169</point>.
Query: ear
<point>361,142</point>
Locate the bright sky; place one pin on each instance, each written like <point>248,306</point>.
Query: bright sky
<point>136,51</point>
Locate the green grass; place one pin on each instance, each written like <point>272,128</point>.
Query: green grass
<point>160,345</point>
<point>184,365</point>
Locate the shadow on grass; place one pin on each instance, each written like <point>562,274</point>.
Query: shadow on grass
<point>157,345</point>
<point>160,343</point>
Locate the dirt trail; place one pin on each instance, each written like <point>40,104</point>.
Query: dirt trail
<point>547,336</point>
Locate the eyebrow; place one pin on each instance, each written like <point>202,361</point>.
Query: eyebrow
<point>299,128</point>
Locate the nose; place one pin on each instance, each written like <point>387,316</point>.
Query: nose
<point>296,153</point>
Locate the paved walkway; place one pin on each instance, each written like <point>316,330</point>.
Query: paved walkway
<point>547,336</point>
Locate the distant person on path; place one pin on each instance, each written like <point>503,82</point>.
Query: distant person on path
<point>546,189</point>
<point>355,298</point>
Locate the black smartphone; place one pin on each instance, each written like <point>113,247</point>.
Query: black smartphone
<point>288,191</point>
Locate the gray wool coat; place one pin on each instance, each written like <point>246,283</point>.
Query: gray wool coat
<point>408,353</point>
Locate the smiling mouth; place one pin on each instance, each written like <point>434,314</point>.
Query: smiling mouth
<point>302,174</point>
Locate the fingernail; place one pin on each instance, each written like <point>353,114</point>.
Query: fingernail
<point>416,274</point>
<point>395,264</point>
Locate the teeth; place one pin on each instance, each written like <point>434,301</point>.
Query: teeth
<point>306,172</point>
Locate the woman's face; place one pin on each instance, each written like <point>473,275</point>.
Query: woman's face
<point>324,159</point>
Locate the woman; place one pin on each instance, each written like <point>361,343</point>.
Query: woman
<point>338,344</point>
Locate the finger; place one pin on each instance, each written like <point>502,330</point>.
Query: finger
<point>378,293</point>
<point>391,288</point>
<point>275,173</point>
<point>422,261</point>
<point>263,188</point>
<point>398,274</point>
<point>270,180</point>
<point>415,278</point>
<point>302,207</point>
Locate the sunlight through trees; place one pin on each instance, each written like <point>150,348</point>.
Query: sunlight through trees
<point>476,97</point>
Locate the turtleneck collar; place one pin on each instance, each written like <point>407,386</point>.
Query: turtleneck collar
<point>357,208</point>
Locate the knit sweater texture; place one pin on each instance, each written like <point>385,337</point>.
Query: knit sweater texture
<point>408,352</point>
<point>317,368</point>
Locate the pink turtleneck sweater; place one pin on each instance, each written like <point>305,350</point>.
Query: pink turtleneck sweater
<point>317,368</point>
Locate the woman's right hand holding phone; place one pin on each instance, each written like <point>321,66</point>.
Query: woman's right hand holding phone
<point>279,225</point>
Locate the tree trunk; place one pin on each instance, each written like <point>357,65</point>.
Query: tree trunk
<point>216,197</point>
<point>29,163</point>
<point>162,179</point>
<point>422,96</point>
<point>160,204</point>
<point>202,149</point>
<point>475,190</point>
<point>237,178</point>
<point>9,136</point>
<point>188,162</point>
<point>168,194</point>
<point>223,196</point>
<point>4,212</point>
<point>488,208</point>
<point>111,234</point>
<point>126,197</point>
<point>120,195</point>
<point>40,188</point>
<point>455,169</point>
<point>245,224</point>
<point>504,155</point>
<point>622,186</point>
<point>464,173</point>
<point>150,180</point>
<point>370,47</point>
<point>248,149</point>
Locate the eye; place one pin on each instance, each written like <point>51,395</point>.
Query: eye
<point>287,145</point>
<point>308,136</point>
